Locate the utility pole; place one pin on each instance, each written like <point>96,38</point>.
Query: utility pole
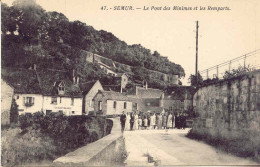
<point>196,65</point>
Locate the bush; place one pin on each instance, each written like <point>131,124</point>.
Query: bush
<point>46,137</point>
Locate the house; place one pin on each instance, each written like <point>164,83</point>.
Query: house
<point>7,92</point>
<point>123,79</point>
<point>60,91</point>
<point>46,91</point>
<point>178,98</point>
<point>27,91</point>
<point>89,90</point>
<point>107,69</point>
<point>111,103</point>
<point>119,83</point>
<point>146,98</point>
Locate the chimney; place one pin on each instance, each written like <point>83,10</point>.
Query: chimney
<point>73,76</point>
<point>34,66</point>
<point>146,85</point>
<point>77,80</point>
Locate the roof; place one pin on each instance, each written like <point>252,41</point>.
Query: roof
<point>85,87</point>
<point>178,92</point>
<point>110,95</point>
<point>116,88</point>
<point>28,81</point>
<point>121,74</point>
<point>49,77</point>
<point>22,80</point>
<point>148,93</point>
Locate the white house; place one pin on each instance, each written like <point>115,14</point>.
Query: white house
<point>89,90</point>
<point>46,91</point>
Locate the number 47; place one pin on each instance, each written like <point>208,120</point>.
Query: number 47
<point>103,7</point>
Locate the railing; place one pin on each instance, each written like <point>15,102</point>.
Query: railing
<point>250,60</point>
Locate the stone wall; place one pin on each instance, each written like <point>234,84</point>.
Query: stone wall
<point>6,101</point>
<point>230,110</point>
<point>107,151</point>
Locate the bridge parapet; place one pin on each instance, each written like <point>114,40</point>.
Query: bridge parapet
<point>106,151</point>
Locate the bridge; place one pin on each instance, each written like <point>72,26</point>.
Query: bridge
<point>148,148</point>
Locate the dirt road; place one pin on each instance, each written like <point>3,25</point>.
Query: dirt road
<point>173,148</point>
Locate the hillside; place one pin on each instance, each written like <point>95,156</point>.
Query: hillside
<point>30,35</point>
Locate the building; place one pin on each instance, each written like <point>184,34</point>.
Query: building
<point>7,92</point>
<point>46,91</point>
<point>90,89</point>
<point>123,79</point>
<point>144,99</point>
<point>107,69</point>
<point>178,99</point>
<point>111,103</point>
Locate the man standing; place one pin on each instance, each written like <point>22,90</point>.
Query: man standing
<point>122,120</point>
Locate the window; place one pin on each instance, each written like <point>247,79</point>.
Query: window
<point>60,99</point>
<point>54,100</point>
<point>61,89</point>
<point>17,97</point>
<point>125,105</point>
<point>28,101</point>
<point>114,104</point>
<point>170,108</point>
<point>100,105</point>
<point>135,106</point>
<point>48,112</point>
<point>73,112</point>
<point>72,101</point>
<point>90,103</point>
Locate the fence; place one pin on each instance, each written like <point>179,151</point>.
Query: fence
<point>251,60</point>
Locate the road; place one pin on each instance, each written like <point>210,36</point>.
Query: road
<point>173,148</point>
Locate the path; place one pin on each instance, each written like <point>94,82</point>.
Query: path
<point>173,148</point>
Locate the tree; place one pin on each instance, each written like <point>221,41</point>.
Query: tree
<point>14,112</point>
<point>194,81</point>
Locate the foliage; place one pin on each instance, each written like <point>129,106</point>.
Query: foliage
<point>21,149</point>
<point>46,137</point>
<point>236,72</point>
<point>30,35</point>
<point>14,112</point>
<point>196,81</point>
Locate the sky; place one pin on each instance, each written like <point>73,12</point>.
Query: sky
<point>223,35</point>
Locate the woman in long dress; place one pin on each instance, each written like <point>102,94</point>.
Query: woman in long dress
<point>173,120</point>
<point>153,121</point>
<point>136,122</point>
<point>169,121</point>
<point>127,122</point>
<point>164,121</point>
<point>159,121</point>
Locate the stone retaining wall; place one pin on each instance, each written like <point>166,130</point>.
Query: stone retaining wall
<point>230,110</point>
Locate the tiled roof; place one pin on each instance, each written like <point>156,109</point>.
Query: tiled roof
<point>28,81</point>
<point>49,77</point>
<point>149,92</point>
<point>22,80</point>
<point>110,95</point>
<point>85,87</point>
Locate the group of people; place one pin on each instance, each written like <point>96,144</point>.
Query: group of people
<point>133,121</point>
